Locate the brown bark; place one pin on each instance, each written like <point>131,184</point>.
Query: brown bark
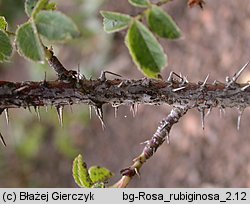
<point>124,92</point>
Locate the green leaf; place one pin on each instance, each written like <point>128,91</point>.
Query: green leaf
<point>41,5</point>
<point>5,46</point>
<point>99,174</point>
<point>29,6</point>
<point>32,7</point>
<point>3,23</point>
<point>140,3</point>
<point>28,42</point>
<point>113,21</point>
<point>145,50</point>
<point>56,26</point>
<point>80,173</point>
<point>162,24</point>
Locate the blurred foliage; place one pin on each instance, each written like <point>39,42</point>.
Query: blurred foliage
<point>13,10</point>
<point>37,148</point>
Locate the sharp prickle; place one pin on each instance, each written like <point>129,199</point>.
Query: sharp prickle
<point>202,112</point>
<point>78,74</point>
<point>90,111</point>
<point>37,112</point>
<point>245,87</point>
<point>99,113</point>
<point>116,110</point>
<point>133,109</point>
<point>137,172</point>
<point>2,139</point>
<point>205,81</point>
<point>171,77</point>
<point>185,79</point>
<point>241,110</point>
<point>59,110</point>
<point>103,75</point>
<point>209,111</point>
<point>222,110</point>
<point>145,142</point>
<point>168,138</point>
<point>178,89</point>
<point>237,74</point>
<point>6,112</point>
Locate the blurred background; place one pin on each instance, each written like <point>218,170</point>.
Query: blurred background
<point>216,41</point>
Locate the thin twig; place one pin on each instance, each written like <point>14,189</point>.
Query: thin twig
<point>151,146</point>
